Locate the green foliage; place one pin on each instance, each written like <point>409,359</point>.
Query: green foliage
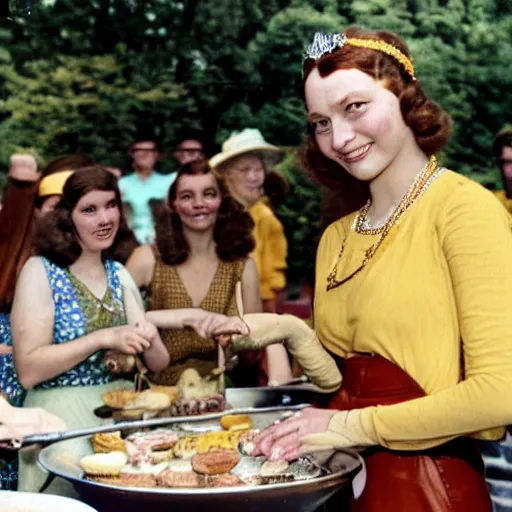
<point>300,215</point>
<point>85,105</point>
<point>83,75</point>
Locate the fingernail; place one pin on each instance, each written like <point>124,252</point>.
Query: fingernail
<point>275,453</point>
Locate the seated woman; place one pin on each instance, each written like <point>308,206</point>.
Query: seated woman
<point>202,251</point>
<point>72,303</point>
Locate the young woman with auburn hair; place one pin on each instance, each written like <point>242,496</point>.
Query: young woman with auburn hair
<point>413,286</point>
<point>74,302</point>
<point>203,242</point>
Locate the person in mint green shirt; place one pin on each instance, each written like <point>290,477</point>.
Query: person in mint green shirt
<point>142,186</point>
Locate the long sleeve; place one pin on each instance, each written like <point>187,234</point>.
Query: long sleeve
<point>476,240</point>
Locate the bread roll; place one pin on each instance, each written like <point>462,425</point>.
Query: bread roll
<point>104,464</point>
<point>108,442</point>
<point>149,400</point>
<point>236,422</point>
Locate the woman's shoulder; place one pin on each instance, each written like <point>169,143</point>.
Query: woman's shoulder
<point>36,264</point>
<point>454,182</point>
<point>338,229</point>
<point>460,192</point>
<point>460,203</point>
<point>36,272</point>
<point>144,256</point>
<point>235,266</point>
<point>124,278</point>
<point>115,266</point>
<point>261,210</point>
<point>264,216</point>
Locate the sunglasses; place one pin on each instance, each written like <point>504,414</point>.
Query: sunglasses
<point>504,161</point>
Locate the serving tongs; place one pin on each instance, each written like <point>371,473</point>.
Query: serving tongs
<point>54,437</point>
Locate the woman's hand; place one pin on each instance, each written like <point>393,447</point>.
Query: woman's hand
<point>282,441</point>
<point>23,167</point>
<point>207,324</point>
<point>232,325</point>
<point>22,422</point>
<point>128,339</point>
<point>147,330</point>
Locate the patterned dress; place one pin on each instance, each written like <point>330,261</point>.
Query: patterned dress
<point>10,386</point>
<point>75,394</point>
<point>186,348</point>
<point>78,312</point>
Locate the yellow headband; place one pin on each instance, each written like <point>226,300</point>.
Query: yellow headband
<point>326,43</point>
<point>53,184</point>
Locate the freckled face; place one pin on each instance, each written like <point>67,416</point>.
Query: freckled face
<point>356,121</point>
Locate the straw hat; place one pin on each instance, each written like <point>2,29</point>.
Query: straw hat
<point>249,140</point>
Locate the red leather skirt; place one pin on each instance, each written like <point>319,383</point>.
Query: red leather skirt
<point>448,478</point>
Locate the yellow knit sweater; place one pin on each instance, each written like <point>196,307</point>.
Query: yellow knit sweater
<point>438,291</point>
<point>270,251</point>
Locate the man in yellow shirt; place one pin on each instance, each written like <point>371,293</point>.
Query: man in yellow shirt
<point>502,151</point>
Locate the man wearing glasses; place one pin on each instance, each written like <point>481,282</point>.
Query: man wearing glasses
<point>189,150</point>
<point>143,187</point>
<point>502,151</point>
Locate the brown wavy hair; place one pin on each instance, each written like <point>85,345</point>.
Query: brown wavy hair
<point>430,124</point>
<point>56,237</point>
<point>276,188</point>
<point>232,232</point>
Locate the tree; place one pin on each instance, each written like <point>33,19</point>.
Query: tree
<point>81,105</point>
<point>81,75</point>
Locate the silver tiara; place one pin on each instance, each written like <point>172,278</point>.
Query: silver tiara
<point>324,43</point>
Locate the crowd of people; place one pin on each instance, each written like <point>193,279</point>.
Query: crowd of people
<point>411,283</point>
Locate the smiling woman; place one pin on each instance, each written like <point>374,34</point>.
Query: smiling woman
<point>201,253</point>
<point>408,297</point>
<point>72,303</point>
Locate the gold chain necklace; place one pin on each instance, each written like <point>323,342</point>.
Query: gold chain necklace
<point>418,186</point>
<point>363,223</point>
